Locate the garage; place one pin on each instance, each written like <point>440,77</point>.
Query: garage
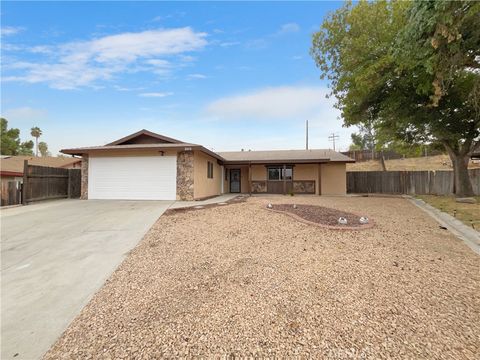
<point>132,178</point>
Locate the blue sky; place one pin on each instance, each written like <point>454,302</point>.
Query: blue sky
<point>224,75</point>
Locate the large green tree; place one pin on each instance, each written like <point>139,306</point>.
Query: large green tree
<point>10,140</point>
<point>364,139</point>
<point>412,67</point>
<point>26,148</point>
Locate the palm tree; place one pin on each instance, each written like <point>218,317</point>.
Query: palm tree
<point>36,133</point>
<point>43,148</point>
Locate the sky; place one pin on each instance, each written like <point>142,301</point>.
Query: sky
<point>228,76</point>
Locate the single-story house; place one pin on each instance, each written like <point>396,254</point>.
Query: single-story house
<point>150,166</point>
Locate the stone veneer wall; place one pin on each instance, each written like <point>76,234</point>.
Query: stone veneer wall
<point>185,175</point>
<point>259,186</point>
<point>84,180</point>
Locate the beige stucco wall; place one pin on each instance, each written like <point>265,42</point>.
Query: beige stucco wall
<point>203,186</point>
<point>226,181</point>
<point>307,172</point>
<point>244,180</point>
<point>259,173</point>
<point>333,179</point>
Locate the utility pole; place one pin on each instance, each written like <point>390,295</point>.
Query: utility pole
<point>332,138</point>
<point>306,134</point>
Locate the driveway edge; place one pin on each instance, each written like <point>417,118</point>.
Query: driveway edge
<point>469,236</point>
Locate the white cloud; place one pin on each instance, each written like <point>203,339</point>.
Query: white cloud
<point>286,102</point>
<point>196,76</point>
<point>10,30</point>
<point>288,28</point>
<point>263,42</point>
<point>156,94</point>
<point>229,43</point>
<point>124,88</point>
<point>83,63</point>
<point>24,113</point>
<point>283,111</point>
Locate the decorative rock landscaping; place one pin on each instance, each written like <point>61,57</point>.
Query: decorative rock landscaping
<point>323,216</point>
<point>241,281</point>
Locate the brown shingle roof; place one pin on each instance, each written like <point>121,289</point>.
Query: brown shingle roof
<point>313,155</point>
<point>83,150</point>
<point>147,133</point>
<point>271,156</point>
<point>178,146</point>
<point>15,163</point>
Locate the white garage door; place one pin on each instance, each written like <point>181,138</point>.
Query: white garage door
<point>132,178</point>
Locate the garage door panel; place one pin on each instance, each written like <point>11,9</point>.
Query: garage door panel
<point>132,178</point>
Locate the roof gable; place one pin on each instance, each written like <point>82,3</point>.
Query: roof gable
<point>144,137</point>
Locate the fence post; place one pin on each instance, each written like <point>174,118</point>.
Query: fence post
<point>69,184</point>
<point>25,182</point>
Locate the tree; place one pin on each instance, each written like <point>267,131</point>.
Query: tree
<point>365,139</point>
<point>10,140</point>
<point>43,148</point>
<point>25,148</point>
<point>36,133</point>
<point>408,66</point>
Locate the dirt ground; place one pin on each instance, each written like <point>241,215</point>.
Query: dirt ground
<point>437,162</point>
<point>239,280</point>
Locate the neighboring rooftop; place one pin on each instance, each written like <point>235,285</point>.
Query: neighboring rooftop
<point>313,155</point>
<point>14,164</point>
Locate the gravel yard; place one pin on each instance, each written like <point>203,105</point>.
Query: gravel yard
<point>239,280</point>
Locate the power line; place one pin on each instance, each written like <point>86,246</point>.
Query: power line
<point>332,138</point>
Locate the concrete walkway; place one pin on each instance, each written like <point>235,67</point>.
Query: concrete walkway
<point>470,236</point>
<point>214,200</point>
<point>55,256</point>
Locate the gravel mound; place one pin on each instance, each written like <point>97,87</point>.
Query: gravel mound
<point>238,280</point>
<point>319,214</point>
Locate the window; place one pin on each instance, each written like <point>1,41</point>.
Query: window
<point>209,170</point>
<point>273,174</point>
<point>279,173</point>
<point>287,173</point>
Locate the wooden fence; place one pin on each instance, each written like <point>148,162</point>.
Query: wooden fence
<point>406,182</point>
<point>11,193</point>
<point>44,183</point>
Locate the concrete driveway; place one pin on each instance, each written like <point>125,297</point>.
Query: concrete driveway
<point>55,256</point>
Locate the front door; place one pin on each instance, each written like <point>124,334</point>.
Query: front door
<point>235,180</point>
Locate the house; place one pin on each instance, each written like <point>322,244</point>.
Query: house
<point>11,167</point>
<point>150,166</point>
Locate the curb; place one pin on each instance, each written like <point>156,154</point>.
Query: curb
<point>469,236</point>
